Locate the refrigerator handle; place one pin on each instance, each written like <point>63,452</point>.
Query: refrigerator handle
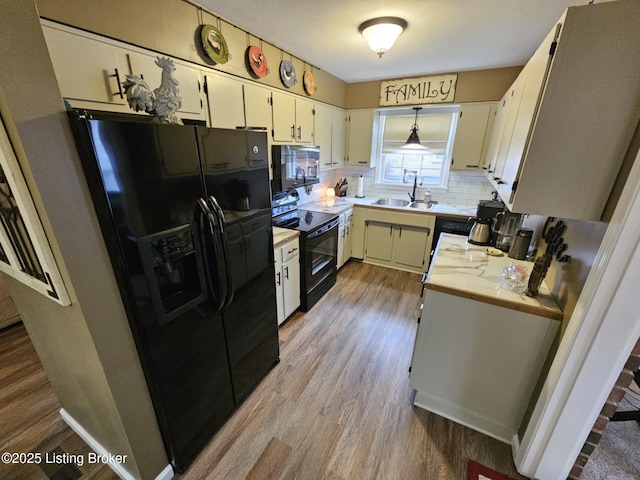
<point>210,248</point>
<point>222,240</point>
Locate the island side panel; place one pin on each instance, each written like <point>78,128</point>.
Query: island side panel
<point>477,363</point>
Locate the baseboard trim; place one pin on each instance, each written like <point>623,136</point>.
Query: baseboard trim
<point>515,445</point>
<point>463,417</point>
<point>166,474</point>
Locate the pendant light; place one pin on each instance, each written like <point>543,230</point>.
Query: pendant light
<point>414,141</point>
<point>382,32</point>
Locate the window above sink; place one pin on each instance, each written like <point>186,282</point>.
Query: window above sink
<point>398,164</point>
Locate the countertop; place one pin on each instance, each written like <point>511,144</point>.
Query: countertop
<point>283,235</point>
<point>338,206</point>
<point>342,204</point>
<point>460,268</point>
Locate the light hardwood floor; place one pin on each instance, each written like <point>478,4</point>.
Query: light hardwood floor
<point>339,405</point>
<point>29,412</point>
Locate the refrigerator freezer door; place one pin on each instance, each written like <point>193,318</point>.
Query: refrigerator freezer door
<point>236,173</point>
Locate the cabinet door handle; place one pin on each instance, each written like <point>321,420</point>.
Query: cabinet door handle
<point>117,75</point>
<point>391,230</point>
<point>299,133</point>
<point>400,232</point>
<point>279,279</point>
<point>293,132</point>
<point>286,273</point>
<point>362,162</point>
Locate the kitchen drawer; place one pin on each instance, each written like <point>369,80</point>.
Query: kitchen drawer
<point>290,250</point>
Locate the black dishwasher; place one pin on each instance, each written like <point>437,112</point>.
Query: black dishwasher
<point>455,225</point>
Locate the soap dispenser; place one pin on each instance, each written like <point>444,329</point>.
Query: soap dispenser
<point>427,196</point>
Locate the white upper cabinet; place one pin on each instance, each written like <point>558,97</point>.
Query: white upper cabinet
<point>329,134</point>
<point>284,117</point>
<point>577,114</point>
<point>292,119</point>
<point>89,71</point>
<point>323,134</point>
<point>225,101</point>
<point>338,137</point>
<point>360,125</point>
<point>257,106</point>
<point>497,133</point>
<point>305,113</point>
<point>473,131</point>
<point>504,125</point>
<point>190,82</point>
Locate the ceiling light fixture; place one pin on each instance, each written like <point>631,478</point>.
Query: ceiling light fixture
<point>414,141</point>
<point>382,32</point>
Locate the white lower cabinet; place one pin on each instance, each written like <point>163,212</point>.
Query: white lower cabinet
<point>379,241</point>
<point>406,247</point>
<point>411,245</point>
<point>344,238</point>
<point>287,267</point>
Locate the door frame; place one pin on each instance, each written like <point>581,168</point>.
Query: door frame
<point>601,334</point>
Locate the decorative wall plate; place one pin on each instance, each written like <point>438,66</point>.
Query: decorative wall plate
<point>287,73</point>
<point>214,44</point>
<point>257,61</point>
<point>309,83</point>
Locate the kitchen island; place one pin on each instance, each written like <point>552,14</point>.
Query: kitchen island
<point>480,349</point>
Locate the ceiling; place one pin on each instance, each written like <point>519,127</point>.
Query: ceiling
<point>442,35</point>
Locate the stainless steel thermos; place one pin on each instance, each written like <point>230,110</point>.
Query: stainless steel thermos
<point>520,245</point>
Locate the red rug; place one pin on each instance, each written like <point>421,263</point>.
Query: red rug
<point>480,472</point>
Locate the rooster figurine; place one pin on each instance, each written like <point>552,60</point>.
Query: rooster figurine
<point>163,102</point>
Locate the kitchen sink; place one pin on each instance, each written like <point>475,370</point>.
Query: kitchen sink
<point>391,202</point>
<point>420,205</point>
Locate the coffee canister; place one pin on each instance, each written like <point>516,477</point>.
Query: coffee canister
<point>520,245</point>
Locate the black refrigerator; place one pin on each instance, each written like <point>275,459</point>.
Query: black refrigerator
<point>186,216</point>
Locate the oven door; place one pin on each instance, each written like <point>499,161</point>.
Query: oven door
<point>320,256</point>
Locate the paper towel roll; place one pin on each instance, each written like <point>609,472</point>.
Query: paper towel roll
<point>360,193</point>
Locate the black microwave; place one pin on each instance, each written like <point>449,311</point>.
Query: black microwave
<point>294,166</point>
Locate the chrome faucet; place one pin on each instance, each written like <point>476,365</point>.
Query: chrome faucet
<point>412,195</point>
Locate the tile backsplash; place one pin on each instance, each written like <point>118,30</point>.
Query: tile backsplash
<point>464,188</point>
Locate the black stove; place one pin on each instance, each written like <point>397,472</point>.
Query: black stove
<point>303,220</point>
<point>286,214</point>
<point>318,245</point>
